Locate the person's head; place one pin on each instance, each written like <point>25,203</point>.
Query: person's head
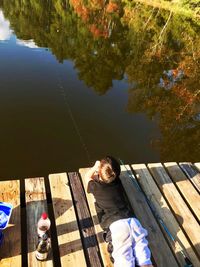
<point>109,169</point>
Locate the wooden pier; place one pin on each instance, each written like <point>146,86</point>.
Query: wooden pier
<point>172,189</point>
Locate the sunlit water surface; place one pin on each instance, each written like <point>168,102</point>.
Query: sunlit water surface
<point>75,86</point>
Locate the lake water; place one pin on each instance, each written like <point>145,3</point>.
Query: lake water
<point>80,81</point>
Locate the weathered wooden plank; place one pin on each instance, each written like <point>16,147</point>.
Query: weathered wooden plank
<point>69,240</point>
<point>36,204</point>
<point>98,229</point>
<point>10,251</point>
<point>188,191</point>
<point>182,212</point>
<point>197,176</point>
<point>162,209</point>
<point>85,221</point>
<point>143,213</point>
<point>192,173</point>
<point>197,165</point>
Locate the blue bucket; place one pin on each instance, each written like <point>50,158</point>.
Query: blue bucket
<point>5,213</point>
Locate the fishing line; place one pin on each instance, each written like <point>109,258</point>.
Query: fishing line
<point>153,209</point>
<point>72,117</point>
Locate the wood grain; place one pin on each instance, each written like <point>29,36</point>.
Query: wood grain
<point>192,173</point>
<point>85,221</point>
<point>69,240</point>
<point>36,204</point>
<point>142,211</point>
<point>185,186</point>
<point>180,208</point>
<point>10,251</point>
<point>162,209</point>
<point>98,229</point>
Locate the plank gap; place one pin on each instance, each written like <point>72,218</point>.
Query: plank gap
<point>36,202</point>
<point>54,237</point>
<point>146,217</point>
<point>23,224</point>
<point>154,215</point>
<point>193,174</point>
<point>165,198</point>
<point>177,205</point>
<point>152,191</point>
<point>77,219</point>
<point>181,193</point>
<point>85,222</point>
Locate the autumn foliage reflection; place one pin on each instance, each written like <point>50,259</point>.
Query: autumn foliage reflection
<point>97,14</point>
<point>155,50</point>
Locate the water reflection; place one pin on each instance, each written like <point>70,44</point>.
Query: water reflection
<point>5,31</point>
<point>171,78</point>
<point>156,50</point>
<point>28,43</point>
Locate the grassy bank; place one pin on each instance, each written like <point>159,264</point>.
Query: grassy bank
<point>187,8</point>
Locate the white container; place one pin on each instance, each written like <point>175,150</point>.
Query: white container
<point>43,224</point>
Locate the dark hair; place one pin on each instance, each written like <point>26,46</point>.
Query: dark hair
<point>109,169</point>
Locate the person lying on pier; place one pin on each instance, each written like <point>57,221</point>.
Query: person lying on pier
<point>124,234</point>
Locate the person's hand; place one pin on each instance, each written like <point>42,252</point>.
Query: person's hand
<point>93,171</point>
<point>96,166</point>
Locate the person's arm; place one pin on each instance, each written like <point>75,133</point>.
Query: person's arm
<point>148,265</point>
<point>92,172</point>
<point>92,188</point>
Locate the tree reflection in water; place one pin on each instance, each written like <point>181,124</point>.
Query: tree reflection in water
<point>108,40</point>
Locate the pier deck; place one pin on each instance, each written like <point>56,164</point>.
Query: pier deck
<point>160,195</point>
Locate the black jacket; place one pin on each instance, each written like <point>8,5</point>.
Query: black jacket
<point>110,202</point>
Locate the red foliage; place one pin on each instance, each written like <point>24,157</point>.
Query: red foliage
<point>98,32</point>
<point>184,94</point>
<point>80,9</point>
<point>100,27</point>
<point>98,3</point>
<point>112,7</point>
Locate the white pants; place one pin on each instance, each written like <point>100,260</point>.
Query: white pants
<point>129,243</point>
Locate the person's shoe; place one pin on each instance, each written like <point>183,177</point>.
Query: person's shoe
<point>104,236</point>
<point>107,238</point>
<point>112,259</point>
<point>110,248</point>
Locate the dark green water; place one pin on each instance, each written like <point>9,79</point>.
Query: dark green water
<point>79,80</point>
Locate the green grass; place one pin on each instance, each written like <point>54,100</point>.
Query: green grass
<point>176,6</point>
